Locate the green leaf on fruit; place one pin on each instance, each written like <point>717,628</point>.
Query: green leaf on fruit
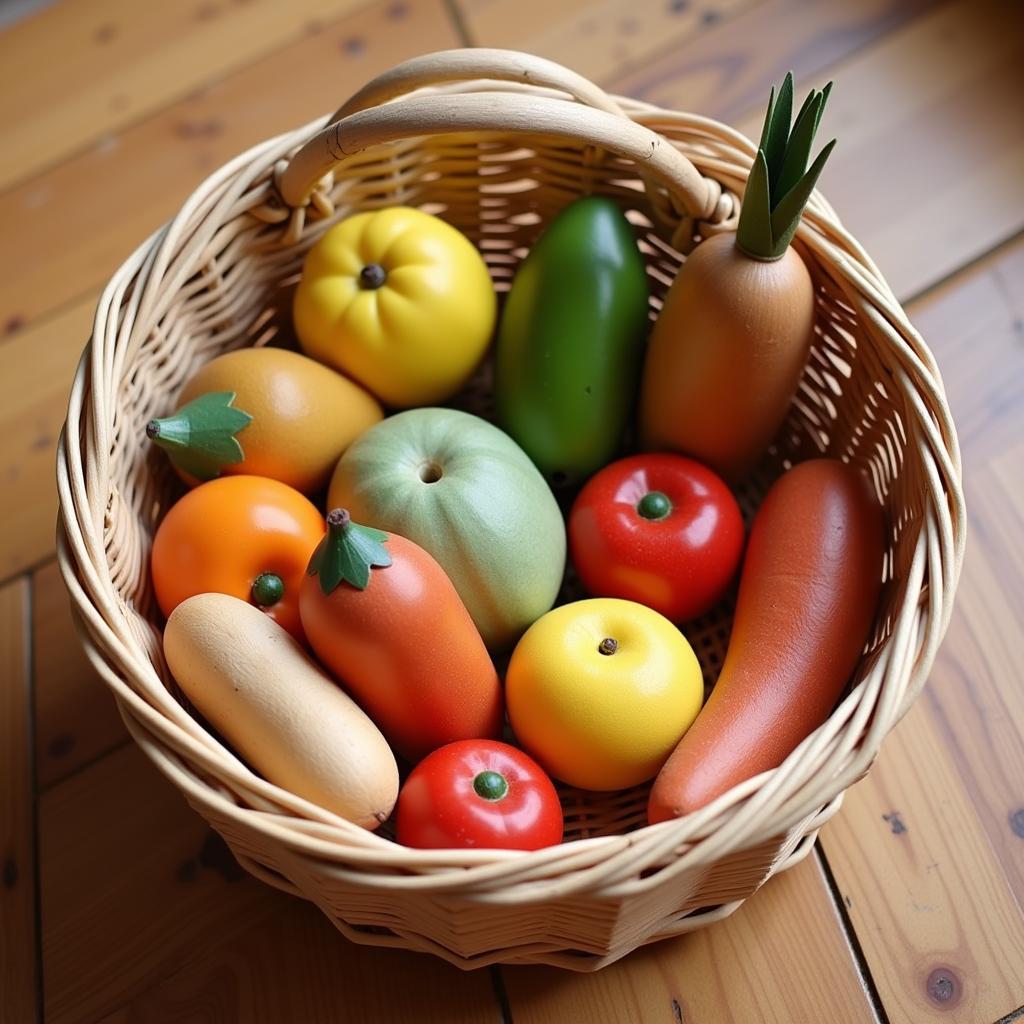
<point>347,553</point>
<point>780,182</point>
<point>200,438</point>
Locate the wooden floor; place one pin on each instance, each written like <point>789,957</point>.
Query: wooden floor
<point>117,904</point>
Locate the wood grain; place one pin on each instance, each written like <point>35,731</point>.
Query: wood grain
<point>727,70</point>
<point>930,848</point>
<point>599,40</point>
<point>76,71</point>
<point>938,923</point>
<point>294,966</point>
<point>68,229</point>
<point>136,889</point>
<point>145,919</point>
<point>126,897</point>
<point>922,200</point>
<point>782,957</point>
<point>76,717</point>
<point>975,325</point>
<point>973,696</point>
<point>42,360</point>
<point>1003,512</point>
<point>17,868</point>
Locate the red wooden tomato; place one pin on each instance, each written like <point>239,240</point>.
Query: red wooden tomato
<point>659,529</point>
<point>482,794</point>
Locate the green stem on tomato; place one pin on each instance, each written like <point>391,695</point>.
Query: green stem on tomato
<point>654,505</point>
<point>490,785</point>
<point>267,589</point>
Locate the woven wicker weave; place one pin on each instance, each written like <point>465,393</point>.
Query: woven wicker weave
<point>497,142</point>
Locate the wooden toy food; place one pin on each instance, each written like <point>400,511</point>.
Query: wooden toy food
<point>400,301</point>
<point>384,618</point>
<point>478,794</point>
<point>247,536</point>
<point>292,723</point>
<point>465,491</point>
<point>264,412</point>
<point>600,691</point>
<point>732,339</point>
<point>660,529</point>
<point>571,341</point>
<point>807,599</point>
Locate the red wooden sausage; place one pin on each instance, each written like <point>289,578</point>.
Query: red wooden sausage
<point>807,599</point>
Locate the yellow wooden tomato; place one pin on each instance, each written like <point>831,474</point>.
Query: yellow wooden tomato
<point>400,301</point>
<point>600,692</point>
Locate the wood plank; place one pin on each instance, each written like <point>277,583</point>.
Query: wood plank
<point>935,916</point>
<point>42,361</point>
<point>976,330</point>
<point>974,324</point>
<point>922,179</point>
<point>17,813</point>
<point>294,966</point>
<point>974,695</point>
<point>68,229</point>
<point>726,72</point>
<point>928,849</point>
<point>136,889</point>
<point>99,224</point>
<point>1004,482</point>
<point>125,895</point>
<point>600,39</point>
<point>782,957</point>
<point>110,62</point>
<point>75,715</point>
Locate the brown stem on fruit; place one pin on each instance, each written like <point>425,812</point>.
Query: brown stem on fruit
<point>372,276</point>
<point>339,519</point>
<point>608,645</point>
<point>347,553</point>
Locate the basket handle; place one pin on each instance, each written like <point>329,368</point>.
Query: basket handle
<point>446,66</point>
<point>369,120</point>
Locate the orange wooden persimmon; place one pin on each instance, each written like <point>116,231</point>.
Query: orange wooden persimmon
<point>247,536</point>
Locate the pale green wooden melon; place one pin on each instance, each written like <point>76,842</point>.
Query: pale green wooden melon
<point>464,490</point>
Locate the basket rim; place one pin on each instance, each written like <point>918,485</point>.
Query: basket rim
<point>762,808</point>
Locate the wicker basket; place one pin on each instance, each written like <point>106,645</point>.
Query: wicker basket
<point>497,142</point>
